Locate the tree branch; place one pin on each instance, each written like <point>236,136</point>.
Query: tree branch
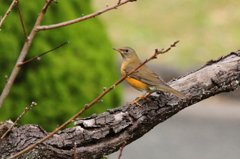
<point>48,27</point>
<point>39,56</point>
<point>105,133</point>
<point>25,111</point>
<point>33,33</point>
<point>22,21</point>
<point>97,100</point>
<point>8,12</point>
<point>22,55</point>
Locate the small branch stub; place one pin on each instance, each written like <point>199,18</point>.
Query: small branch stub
<point>6,77</point>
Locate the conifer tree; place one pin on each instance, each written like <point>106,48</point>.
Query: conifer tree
<point>63,81</point>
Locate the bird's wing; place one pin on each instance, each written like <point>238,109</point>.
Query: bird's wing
<point>148,76</point>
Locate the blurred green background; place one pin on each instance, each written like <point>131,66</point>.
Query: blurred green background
<point>63,81</point>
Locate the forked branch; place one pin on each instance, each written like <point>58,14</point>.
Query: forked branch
<point>33,33</point>
<point>108,8</point>
<point>23,54</point>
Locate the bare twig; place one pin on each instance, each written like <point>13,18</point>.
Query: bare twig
<point>75,150</point>
<point>8,12</point>
<point>47,27</point>
<point>37,57</point>
<point>87,106</point>
<point>26,110</point>
<point>154,56</point>
<point>34,31</point>
<point>119,1</point>
<point>23,54</point>
<point>22,21</point>
<point>121,150</point>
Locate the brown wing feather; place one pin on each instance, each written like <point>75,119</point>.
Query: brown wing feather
<point>149,77</point>
<point>146,75</point>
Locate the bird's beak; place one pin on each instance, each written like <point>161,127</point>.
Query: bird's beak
<point>117,49</point>
<point>120,51</point>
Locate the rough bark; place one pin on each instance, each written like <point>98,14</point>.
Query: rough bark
<point>104,134</point>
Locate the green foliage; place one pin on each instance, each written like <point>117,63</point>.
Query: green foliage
<point>63,81</point>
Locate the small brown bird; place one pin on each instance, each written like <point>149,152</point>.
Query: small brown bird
<point>144,79</point>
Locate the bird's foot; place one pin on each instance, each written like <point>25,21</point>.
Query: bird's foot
<point>139,98</point>
<point>134,102</point>
<point>147,95</point>
<point>147,98</point>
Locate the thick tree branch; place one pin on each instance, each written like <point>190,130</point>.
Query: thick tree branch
<point>105,133</point>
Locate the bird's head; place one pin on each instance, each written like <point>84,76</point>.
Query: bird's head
<point>126,52</point>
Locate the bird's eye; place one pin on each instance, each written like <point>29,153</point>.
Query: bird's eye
<point>126,50</point>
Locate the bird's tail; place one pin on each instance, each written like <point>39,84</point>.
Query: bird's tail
<point>173,91</point>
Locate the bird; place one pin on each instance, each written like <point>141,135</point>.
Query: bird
<point>144,79</point>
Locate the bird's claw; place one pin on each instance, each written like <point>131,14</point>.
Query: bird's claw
<point>134,102</point>
<point>148,99</point>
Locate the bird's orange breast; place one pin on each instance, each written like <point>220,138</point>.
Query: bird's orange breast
<point>132,81</point>
<point>137,84</point>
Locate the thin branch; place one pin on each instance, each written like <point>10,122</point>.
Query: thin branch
<point>119,1</point>
<point>75,151</point>
<point>121,150</point>
<point>87,106</point>
<point>8,12</point>
<point>37,57</point>
<point>157,52</point>
<point>34,31</point>
<point>23,54</point>
<point>26,110</point>
<point>47,27</point>
<point>22,21</point>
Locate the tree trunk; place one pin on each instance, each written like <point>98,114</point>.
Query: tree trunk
<point>105,133</point>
